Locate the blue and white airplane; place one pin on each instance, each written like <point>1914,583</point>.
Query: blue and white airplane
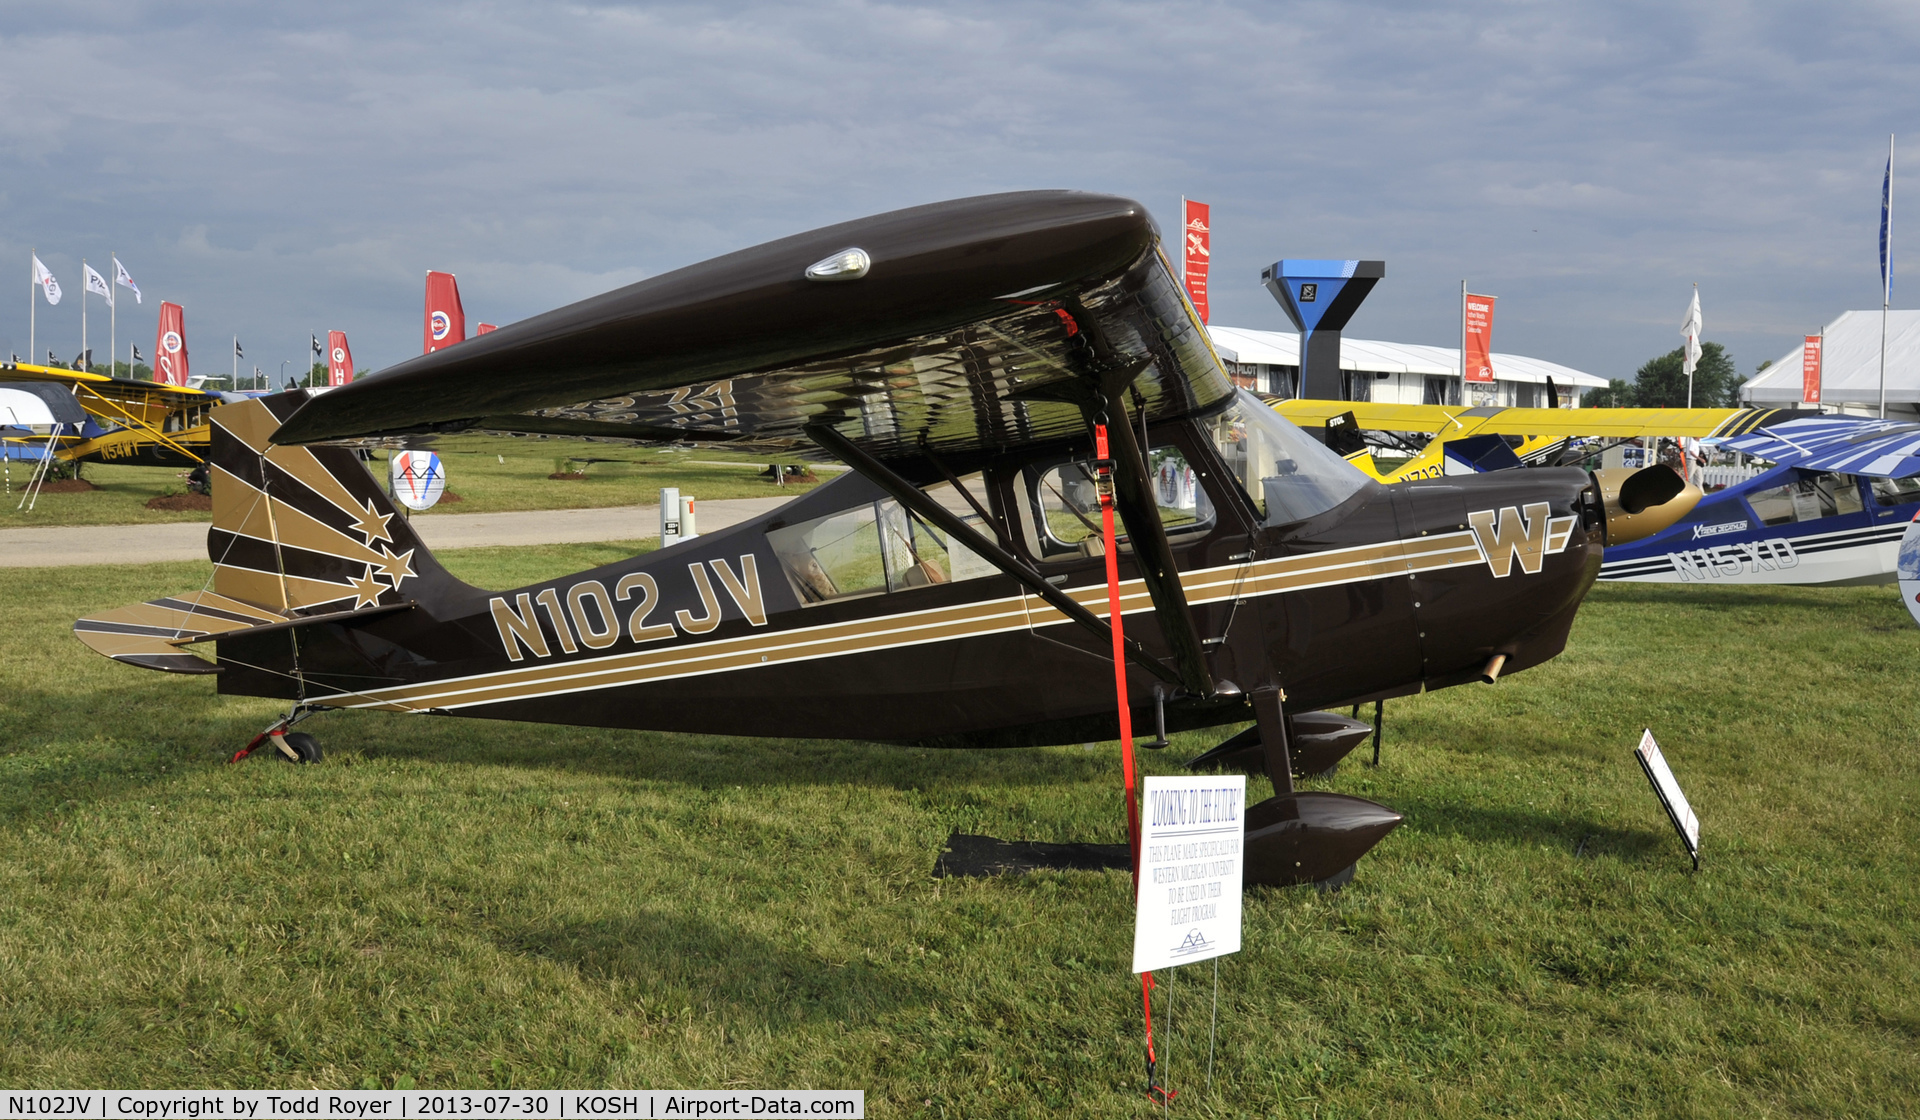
<point>1831,511</point>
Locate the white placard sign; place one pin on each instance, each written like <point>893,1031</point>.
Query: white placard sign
<point>1667,788</point>
<point>1192,833</point>
<point>418,478</point>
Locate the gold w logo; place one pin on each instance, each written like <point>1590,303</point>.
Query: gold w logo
<point>1512,537</point>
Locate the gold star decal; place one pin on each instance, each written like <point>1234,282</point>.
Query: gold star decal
<point>397,567</point>
<point>366,590</point>
<point>373,525</point>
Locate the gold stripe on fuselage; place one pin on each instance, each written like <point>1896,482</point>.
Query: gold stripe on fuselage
<point>970,620</point>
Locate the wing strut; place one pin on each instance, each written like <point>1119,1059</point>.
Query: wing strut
<point>912,497</point>
<point>1133,494</point>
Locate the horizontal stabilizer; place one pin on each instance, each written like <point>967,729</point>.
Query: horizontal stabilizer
<point>153,635</point>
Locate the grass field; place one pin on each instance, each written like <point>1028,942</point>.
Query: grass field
<point>490,475</point>
<point>447,902</point>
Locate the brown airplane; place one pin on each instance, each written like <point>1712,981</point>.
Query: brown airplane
<point>950,590</point>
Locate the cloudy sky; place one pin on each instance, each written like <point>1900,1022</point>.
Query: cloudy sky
<point>277,169</point>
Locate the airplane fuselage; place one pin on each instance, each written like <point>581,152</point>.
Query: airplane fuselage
<point>1394,590</point>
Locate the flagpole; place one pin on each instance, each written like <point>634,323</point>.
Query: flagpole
<point>83,312</point>
<point>1463,342</point>
<point>113,319</point>
<point>33,302</point>
<point>1886,282</point>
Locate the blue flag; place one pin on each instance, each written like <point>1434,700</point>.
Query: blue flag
<point>1886,230</point>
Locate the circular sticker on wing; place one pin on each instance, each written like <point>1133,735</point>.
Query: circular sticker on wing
<point>418,478</point>
<point>1908,567</point>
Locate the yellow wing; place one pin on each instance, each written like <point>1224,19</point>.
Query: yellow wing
<point>1452,421</point>
<point>162,424</point>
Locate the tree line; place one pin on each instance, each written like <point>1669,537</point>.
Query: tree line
<point>1662,383</point>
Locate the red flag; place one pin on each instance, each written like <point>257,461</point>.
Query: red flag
<point>339,359</point>
<point>1196,251</point>
<point>483,329</point>
<point>446,322</point>
<point>1810,369</point>
<point>1479,337</point>
<point>170,346</point>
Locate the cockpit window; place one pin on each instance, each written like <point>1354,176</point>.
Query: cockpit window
<point>1289,475</point>
<point>1066,503</point>
<point>877,547</point>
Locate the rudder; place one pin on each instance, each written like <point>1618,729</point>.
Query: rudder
<point>306,529</point>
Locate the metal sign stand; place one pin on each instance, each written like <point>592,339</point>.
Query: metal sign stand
<point>1667,788</point>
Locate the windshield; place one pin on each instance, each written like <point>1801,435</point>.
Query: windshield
<point>1289,475</point>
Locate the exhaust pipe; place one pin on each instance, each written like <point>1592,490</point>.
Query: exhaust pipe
<point>1492,672</point>
<point>1638,504</point>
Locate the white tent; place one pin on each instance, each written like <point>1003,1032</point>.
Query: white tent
<point>21,409</point>
<point>1850,368</point>
<point>1407,364</point>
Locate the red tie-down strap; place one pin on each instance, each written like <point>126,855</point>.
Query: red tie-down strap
<point>1103,465</point>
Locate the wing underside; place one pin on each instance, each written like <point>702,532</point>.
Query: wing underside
<point>980,325</point>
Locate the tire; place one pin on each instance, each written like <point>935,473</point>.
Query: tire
<point>304,745</point>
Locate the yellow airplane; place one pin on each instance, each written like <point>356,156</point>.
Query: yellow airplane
<point>146,423</point>
<point>1542,432</point>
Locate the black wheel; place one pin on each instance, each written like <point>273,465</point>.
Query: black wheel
<point>1332,883</point>
<point>305,748</point>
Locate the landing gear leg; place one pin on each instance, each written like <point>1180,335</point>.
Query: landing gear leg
<point>1273,737</point>
<point>297,746</point>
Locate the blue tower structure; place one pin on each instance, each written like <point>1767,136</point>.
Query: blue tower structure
<point>1320,296</point>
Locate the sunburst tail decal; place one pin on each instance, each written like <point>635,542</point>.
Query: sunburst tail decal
<point>306,529</point>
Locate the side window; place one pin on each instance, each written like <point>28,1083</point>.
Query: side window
<point>1896,491</point>
<point>1064,501</point>
<point>1846,492</point>
<point>1807,498</point>
<point>878,547</point>
<point>1773,506</point>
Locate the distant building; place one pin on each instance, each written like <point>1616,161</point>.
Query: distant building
<point>1850,369</point>
<point>1397,372</point>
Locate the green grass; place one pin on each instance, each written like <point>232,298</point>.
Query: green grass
<point>451,902</point>
<point>490,474</point>
<point>121,499</point>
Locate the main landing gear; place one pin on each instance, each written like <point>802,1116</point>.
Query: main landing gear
<point>1297,837</point>
<point>296,747</point>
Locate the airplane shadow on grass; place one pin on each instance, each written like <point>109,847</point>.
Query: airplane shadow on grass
<point>1630,842</point>
<point>677,961</point>
<point>712,760</point>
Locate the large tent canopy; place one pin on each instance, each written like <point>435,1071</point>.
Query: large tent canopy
<point>1282,348</point>
<point>1850,367</point>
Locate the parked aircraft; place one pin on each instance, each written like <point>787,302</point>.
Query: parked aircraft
<point>960,358</point>
<point>1452,440</point>
<point>1831,511</point>
<point>144,423</point>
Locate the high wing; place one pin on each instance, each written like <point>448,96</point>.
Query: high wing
<point>930,338</point>
<point>1850,445</point>
<point>137,421</point>
<point>1452,421</point>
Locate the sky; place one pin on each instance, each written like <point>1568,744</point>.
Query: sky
<point>282,169</point>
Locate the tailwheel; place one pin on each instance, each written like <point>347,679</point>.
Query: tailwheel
<point>297,747</point>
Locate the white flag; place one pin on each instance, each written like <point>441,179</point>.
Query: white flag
<point>46,281</point>
<point>96,283</point>
<point>121,278</point>
<point>1691,328</point>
